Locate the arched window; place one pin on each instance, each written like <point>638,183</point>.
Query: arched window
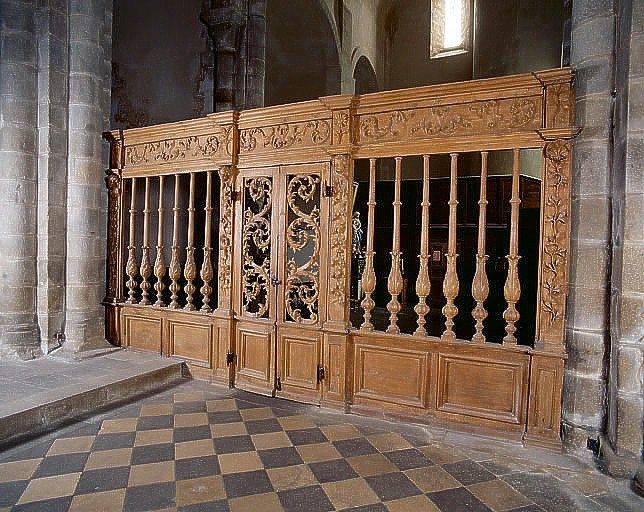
<point>450,32</point>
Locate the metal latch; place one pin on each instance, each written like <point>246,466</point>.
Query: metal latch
<point>275,281</point>
<point>321,373</point>
<point>327,190</point>
<point>278,384</point>
<point>234,195</point>
<point>230,358</point>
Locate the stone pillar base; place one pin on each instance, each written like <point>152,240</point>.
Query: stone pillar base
<point>622,466</point>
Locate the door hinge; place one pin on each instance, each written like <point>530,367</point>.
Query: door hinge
<point>327,190</point>
<point>234,195</point>
<point>321,373</point>
<point>230,358</point>
<point>278,384</point>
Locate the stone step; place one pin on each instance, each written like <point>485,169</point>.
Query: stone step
<point>76,388</point>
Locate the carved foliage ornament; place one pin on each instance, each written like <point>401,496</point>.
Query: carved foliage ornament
<point>555,233</point>
<point>172,150</point>
<point>226,176</point>
<point>312,133</point>
<point>301,293</point>
<point>481,117</point>
<point>339,226</point>
<point>256,246</point>
<point>113,182</point>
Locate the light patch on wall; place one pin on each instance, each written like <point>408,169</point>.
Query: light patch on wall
<point>450,28</point>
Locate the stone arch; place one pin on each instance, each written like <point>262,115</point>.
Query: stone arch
<point>365,76</point>
<point>302,58</point>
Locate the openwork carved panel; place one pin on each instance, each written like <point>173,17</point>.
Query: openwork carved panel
<point>256,246</point>
<point>302,284</point>
<point>284,136</point>
<point>555,242</point>
<point>466,119</point>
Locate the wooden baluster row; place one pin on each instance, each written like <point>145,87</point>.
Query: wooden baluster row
<point>369,274</point>
<point>423,283</point>
<point>480,286</point>
<point>512,288</point>
<point>175,267</point>
<point>206,268</point>
<point>146,266</point>
<point>190,268</point>
<point>131,268</point>
<point>395,280</point>
<point>450,282</point>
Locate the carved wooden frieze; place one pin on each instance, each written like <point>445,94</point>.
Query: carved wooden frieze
<point>465,119</point>
<point>555,242</point>
<point>341,125</point>
<point>284,136</point>
<point>559,102</point>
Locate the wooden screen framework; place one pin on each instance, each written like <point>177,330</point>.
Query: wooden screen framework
<point>296,163</point>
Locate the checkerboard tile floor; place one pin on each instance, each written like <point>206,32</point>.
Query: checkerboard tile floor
<point>203,448</point>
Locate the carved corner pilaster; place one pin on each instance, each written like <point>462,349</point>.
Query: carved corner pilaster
<point>114,267</point>
<point>227,175</point>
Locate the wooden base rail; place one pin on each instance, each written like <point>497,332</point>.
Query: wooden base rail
<point>250,278</point>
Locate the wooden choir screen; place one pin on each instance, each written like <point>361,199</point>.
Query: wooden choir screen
<point>309,307</point>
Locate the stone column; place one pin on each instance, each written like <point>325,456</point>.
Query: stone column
<point>18,179</point>
<point>622,446</point>
<point>256,54</point>
<point>584,397</point>
<point>52,169</point>
<point>90,27</point>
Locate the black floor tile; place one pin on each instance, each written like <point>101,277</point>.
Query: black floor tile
<point>332,470</point>
<point>224,417</point>
<point>306,436</point>
<point>182,434</point>
<point>54,505</point>
<point>408,459</point>
<point>61,464</point>
<point>354,447</point>
<point>309,499</point>
<point>30,450</point>
<point>155,422</point>
<point>187,469</point>
<point>149,497</point>
<point>10,492</point>
<point>189,407</point>
<point>263,426</point>
<point>98,480</point>
<point>233,444</point>
<point>457,500</point>
<point>113,441</point>
<point>152,453</point>
<point>244,484</point>
<point>210,506</point>
<point>468,472</point>
<point>280,457</point>
<point>392,486</point>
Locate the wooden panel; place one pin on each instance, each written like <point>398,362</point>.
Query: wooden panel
<point>142,332</point>
<point>544,415</point>
<point>222,343</point>
<point>378,371</point>
<point>255,358</point>
<point>334,356</point>
<point>299,353</point>
<point>191,340</point>
<point>482,387</point>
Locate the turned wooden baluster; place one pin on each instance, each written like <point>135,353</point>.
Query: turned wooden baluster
<point>480,286</point>
<point>512,288</point>
<point>423,283</point>
<point>131,267</point>
<point>450,282</point>
<point>146,266</point>
<point>206,268</point>
<point>175,265</point>
<point>190,270</point>
<point>159,262</point>
<point>369,274</point>
<point>395,280</point>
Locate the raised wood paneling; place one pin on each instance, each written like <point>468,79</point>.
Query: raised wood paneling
<point>142,332</point>
<point>299,354</point>
<point>255,357</point>
<point>334,362</point>
<point>482,387</point>
<point>191,341</point>
<point>387,372</point>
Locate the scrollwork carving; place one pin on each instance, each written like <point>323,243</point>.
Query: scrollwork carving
<point>282,136</point>
<point>339,226</point>
<point>227,179</point>
<point>113,182</point>
<point>172,150</point>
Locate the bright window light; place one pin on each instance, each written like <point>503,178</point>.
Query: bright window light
<point>453,35</point>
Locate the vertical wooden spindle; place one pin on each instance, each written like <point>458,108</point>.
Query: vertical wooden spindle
<point>146,265</point>
<point>450,282</point>
<point>190,270</point>
<point>159,263</point>
<point>369,274</point>
<point>423,283</point>
<point>512,288</point>
<point>206,268</point>
<point>175,265</point>
<point>395,280</point>
<point>480,286</point>
<point>131,267</point>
